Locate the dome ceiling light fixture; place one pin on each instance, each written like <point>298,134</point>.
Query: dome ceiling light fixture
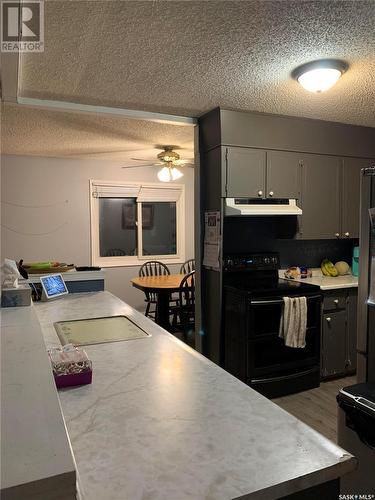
<point>319,76</point>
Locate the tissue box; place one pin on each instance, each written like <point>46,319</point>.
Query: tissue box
<point>73,379</point>
<point>15,297</point>
<point>70,366</point>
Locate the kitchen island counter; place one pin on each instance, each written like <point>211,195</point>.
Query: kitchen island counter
<point>160,421</point>
<point>36,459</point>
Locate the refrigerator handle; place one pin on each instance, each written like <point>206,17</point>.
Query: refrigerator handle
<point>367,179</point>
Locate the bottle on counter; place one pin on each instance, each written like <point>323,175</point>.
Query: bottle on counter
<point>355,261</point>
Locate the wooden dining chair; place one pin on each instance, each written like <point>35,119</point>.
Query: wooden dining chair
<point>152,268</point>
<point>115,252</point>
<point>187,266</point>
<point>186,304</point>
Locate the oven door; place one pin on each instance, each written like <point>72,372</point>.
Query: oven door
<point>267,353</point>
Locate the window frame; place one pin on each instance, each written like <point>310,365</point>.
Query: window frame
<point>136,260</point>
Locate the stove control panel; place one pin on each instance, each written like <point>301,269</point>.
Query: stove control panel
<point>251,262</point>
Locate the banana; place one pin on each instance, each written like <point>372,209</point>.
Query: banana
<point>323,268</point>
<point>38,265</point>
<point>328,268</point>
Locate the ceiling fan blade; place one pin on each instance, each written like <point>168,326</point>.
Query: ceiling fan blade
<point>137,166</point>
<point>97,153</point>
<point>184,162</point>
<point>147,159</point>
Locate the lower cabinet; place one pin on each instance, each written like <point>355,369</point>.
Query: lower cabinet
<point>339,333</point>
<point>333,344</point>
<point>352,302</point>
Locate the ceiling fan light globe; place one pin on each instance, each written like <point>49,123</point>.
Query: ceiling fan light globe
<point>164,175</point>
<point>168,174</point>
<point>176,174</point>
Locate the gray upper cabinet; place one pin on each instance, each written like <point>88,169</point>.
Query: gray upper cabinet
<point>320,197</point>
<point>245,173</point>
<point>350,195</point>
<point>283,175</point>
<point>255,173</point>
<point>326,187</point>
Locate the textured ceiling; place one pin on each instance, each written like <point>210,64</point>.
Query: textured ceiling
<point>186,57</point>
<point>27,131</point>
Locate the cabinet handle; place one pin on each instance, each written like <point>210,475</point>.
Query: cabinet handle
<point>271,193</point>
<point>260,193</point>
<point>337,235</point>
<point>347,234</point>
<point>336,301</point>
<point>328,319</point>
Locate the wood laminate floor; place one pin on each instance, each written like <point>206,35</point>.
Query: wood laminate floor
<point>317,407</point>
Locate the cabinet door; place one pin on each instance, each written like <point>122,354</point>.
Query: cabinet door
<point>352,330</point>
<point>320,197</point>
<point>283,175</point>
<point>351,188</point>
<point>246,173</point>
<point>334,300</point>
<point>333,344</point>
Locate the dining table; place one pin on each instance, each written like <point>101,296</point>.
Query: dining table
<point>162,286</point>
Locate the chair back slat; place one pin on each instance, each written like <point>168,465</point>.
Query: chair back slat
<point>153,268</point>
<point>186,301</point>
<point>188,266</point>
<point>115,252</point>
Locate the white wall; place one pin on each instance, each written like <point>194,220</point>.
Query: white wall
<point>61,231</point>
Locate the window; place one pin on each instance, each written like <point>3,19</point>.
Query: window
<point>131,223</point>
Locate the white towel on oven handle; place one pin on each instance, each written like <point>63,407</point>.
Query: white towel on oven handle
<point>293,321</point>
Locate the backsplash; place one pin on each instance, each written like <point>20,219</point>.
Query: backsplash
<point>275,234</point>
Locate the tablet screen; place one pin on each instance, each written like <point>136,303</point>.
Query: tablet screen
<point>53,285</point>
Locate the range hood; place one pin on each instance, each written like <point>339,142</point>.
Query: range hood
<point>256,206</point>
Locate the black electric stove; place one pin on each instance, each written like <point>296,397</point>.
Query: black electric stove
<point>253,304</point>
<point>258,274</point>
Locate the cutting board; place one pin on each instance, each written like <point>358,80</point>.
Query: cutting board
<point>98,330</point>
<point>48,270</point>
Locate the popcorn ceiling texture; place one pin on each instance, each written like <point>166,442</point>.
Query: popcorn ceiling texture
<point>187,57</point>
<point>28,131</point>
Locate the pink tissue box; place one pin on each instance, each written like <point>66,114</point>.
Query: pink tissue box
<point>70,366</point>
<point>73,379</point>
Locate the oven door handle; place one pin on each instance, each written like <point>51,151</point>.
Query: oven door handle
<point>281,378</point>
<point>278,301</point>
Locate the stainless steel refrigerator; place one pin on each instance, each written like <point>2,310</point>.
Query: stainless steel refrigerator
<point>366,288</point>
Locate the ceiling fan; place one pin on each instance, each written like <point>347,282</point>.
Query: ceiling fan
<point>169,160</point>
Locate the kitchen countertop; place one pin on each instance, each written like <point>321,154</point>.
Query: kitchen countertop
<point>36,459</point>
<point>160,421</point>
<point>72,275</point>
<point>327,282</point>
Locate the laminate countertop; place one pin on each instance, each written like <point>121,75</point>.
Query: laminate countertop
<point>36,459</point>
<point>327,282</point>
<point>72,275</point>
<point>160,421</point>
